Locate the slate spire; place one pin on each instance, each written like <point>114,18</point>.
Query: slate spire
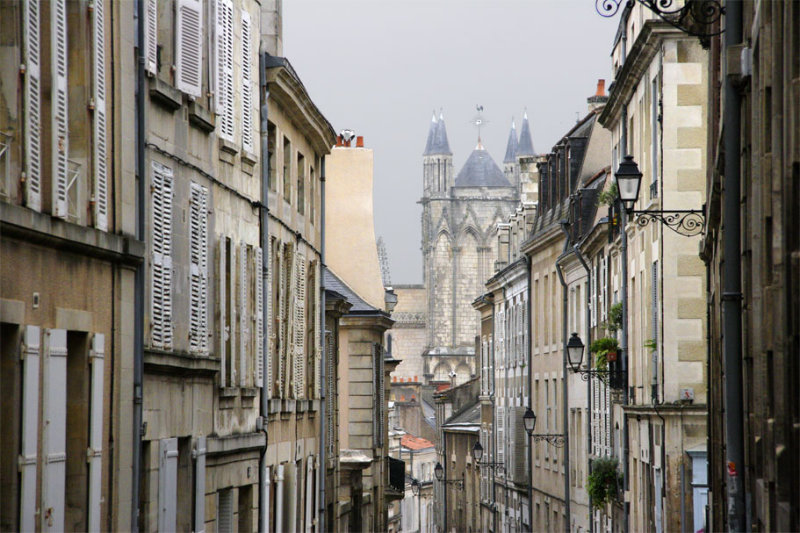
<point>440,144</point>
<point>511,147</point>
<point>431,135</point>
<point>525,146</point>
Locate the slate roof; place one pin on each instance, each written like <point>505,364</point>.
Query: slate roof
<point>525,145</point>
<point>511,147</point>
<point>437,138</point>
<point>332,282</point>
<point>480,170</point>
<point>468,417</point>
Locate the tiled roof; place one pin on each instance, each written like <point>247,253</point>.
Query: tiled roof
<point>415,443</point>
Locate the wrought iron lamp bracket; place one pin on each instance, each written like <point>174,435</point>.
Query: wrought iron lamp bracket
<point>494,466</point>
<point>556,439</point>
<point>683,222</point>
<point>457,482</point>
<point>694,17</point>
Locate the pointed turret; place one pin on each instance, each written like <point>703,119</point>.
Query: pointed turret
<point>525,146</point>
<point>511,147</point>
<point>440,144</point>
<point>431,135</point>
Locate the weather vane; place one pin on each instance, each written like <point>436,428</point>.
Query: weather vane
<point>479,121</point>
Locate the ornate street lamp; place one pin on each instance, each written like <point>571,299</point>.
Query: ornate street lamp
<point>575,352</point>
<point>529,421</point>
<point>415,487</point>
<point>477,454</point>
<point>575,356</point>
<point>686,222</point>
<point>438,471</point>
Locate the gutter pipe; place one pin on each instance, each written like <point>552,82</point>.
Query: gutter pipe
<point>529,358</point>
<point>138,292</point>
<point>323,419</point>
<point>731,278</point>
<point>264,480</point>
<point>588,295</point>
<point>564,388</point>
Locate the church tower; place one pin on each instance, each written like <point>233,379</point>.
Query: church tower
<point>510,165</point>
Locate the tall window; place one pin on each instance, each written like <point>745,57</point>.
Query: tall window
<point>301,184</point>
<point>273,160</point>
<point>287,170</point>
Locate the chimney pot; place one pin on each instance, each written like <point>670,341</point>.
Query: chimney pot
<point>360,141</point>
<point>601,88</point>
<point>338,140</point>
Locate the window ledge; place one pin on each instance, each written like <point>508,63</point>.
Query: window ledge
<point>165,95</point>
<point>228,392</point>
<point>228,147</point>
<point>178,363</point>
<point>249,392</point>
<point>201,118</point>
<point>249,157</point>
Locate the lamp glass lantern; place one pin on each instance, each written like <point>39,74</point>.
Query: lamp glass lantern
<point>529,420</point>
<point>629,180</point>
<point>438,471</point>
<point>575,352</point>
<point>415,487</point>
<point>477,451</point>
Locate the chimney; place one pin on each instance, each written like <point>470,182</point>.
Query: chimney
<point>360,141</point>
<point>599,99</point>
<point>339,140</point>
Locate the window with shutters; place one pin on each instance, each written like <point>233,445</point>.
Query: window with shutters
<point>272,146</point>
<point>379,393</point>
<point>285,340</point>
<point>167,484</point>
<point>312,328</point>
<point>274,316</point>
<point>258,297</point>
<point>223,68</point>
<point>198,275</point>
<point>243,314</point>
<point>299,327</point>
<point>331,392</point>
<point>59,112</point>
<point>188,46</point>
<point>247,84</point>
<point>32,104</point>
<point>151,36</point>
<point>161,257</point>
<point>100,166</point>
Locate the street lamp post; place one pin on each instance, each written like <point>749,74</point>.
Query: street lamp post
<point>529,420</point>
<point>415,491</point>
<point>575,357</point>
<point>438,471</point>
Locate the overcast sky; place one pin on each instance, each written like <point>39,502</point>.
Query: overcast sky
<point>380,67</point>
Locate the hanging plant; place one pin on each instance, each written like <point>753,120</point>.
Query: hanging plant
<point>651,344</point>
<point>604,481</point>
<point>605,351</point>
<point>609,196</point>
<point>614,322</point>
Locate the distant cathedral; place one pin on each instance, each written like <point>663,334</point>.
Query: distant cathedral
<point>459,245</point>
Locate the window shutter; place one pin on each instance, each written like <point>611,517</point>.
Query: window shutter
<point>225,516</point>
<point>244,311</point>
<point>330,392</point>
<point>317,332</point>
<point>259,337</point>
<point>161,288</point>
<point>270,330</point>
<point>200,485</point>
<point>33,103</point>
<point>189,46</point>
<point>95,451</point>
<point>151,36</point>
<point>309,493</point>
<point>247,84</point>
<point>167,483</point>
<point>100,142</point>
<point>222,336</point>
<point>281,347</point>
<point>233,315</point>
<point>224,68</point>
<point>54,439</point>
<point>501,434</point>
<point>299,327</point>
<point>60,117</point>
<point>198,283</point>
<point>30,428</point>
<point>285,351</point>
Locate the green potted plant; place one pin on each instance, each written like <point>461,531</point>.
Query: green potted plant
<point>614,322</point>
<point>651,344</point>
<point>605,351</point>
<point>608,196</point>
<point>604,481</point>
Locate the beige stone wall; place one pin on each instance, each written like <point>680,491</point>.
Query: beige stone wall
<point>409,336</point>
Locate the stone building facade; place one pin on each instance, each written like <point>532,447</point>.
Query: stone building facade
<point>70,253</point>
<point>657,112</point>
<point>757,103</point>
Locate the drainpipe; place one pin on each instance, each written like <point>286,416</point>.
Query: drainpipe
<point>588,295</point>
<point>623,341</point>
<point>494,430</point>
<point>264,480</point>
<point>323,420</point>
<point>565,393</point>
<point>529,357</point>
<point>731,279</point>
<point>138,292</point>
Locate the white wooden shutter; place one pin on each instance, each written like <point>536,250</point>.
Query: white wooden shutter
<point>501,434</point>
<point>224,68</point>
<point>30,428</point>
<point>198,282</point>
<point>300,327</point>
<point>54,439</point>
<point>222,306</point>
<point>95,451</point>
<point>318,349</point>
<point>247,84</point>
<point>233,314</point>
<point>100,140</point>
<point>189,46</point>
<point>270,329</point>
<point>259,337</point>
<point>167,483</point>
<point>309,503</point>
<point>283,350</point>
<point>60,117</point>
<point>33,106</point>
<point>244,311</point>
<point>200,485</point>
<point>161,282</point>
<point>151,36</point>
